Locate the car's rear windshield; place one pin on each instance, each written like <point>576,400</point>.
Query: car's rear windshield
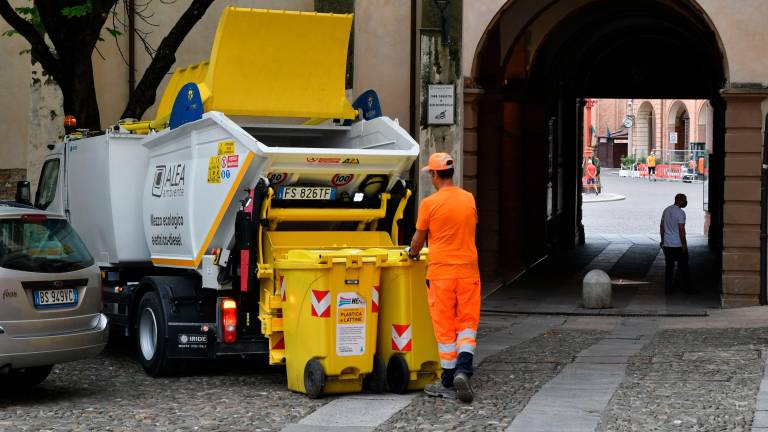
<point>39,244</point>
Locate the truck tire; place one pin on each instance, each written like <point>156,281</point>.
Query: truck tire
<point>150,330</point>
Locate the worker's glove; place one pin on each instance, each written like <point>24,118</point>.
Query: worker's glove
<point>410,255</point>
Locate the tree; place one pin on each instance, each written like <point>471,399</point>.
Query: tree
<point>73,27</point>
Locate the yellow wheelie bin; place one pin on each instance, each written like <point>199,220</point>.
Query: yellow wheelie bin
<point>329,320</point>
<point>406,347</point>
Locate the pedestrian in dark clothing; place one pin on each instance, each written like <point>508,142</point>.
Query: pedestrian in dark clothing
<point>674,243</point>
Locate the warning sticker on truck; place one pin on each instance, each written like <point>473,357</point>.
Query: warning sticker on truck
<point>226,148</point>
<point>214,169</point>
<point>350,324</point>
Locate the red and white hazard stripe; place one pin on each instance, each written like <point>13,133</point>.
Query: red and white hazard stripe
<point>321,304</point>
<point>282,287</point>
<point>280,344</point>
<point>375,300</point>
<point>401,337</point>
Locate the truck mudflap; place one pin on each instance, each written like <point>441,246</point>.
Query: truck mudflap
<point>244,348</point>
<point>191,341</point>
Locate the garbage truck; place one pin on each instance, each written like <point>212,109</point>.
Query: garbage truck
<point>252,154</point>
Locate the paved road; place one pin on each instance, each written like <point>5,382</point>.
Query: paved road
<point>542,373</point>
<point>641,211</point>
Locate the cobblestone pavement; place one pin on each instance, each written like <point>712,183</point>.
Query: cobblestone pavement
<point>503,384</point>
<point>112,393</point>
<point>691,380</point>
<point>684,379</point>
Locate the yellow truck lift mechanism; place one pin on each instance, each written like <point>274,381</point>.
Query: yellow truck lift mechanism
<point>268,63</point>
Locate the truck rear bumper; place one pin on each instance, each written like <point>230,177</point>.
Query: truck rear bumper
<point>41,350</point>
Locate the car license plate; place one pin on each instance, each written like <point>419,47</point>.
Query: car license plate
<point>307,193</point>
<point>55,298</point>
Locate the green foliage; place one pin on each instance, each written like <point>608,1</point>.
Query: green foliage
<point>78,11</point>
<point>30,14</point>
<point>627,161</point>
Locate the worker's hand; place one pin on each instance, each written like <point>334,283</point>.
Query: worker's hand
<point>410,254</point>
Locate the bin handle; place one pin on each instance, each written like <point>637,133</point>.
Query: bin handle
<point>354,261</point>
<point>265,205</point>
<point>399,216</point>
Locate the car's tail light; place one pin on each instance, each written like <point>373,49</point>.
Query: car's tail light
<point>34,218</point>
<point>228,320</point>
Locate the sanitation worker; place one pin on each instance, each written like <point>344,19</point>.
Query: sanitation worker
<point>447,218</point>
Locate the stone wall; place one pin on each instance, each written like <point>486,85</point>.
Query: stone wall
<point>8,179</point>
<point>741,231</point>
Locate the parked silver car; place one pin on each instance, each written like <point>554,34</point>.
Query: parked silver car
<point>50,296</point>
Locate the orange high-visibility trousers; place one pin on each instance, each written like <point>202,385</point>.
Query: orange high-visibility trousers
<point>455,308</point>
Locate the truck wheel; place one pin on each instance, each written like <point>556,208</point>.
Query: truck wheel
<point>314,378</point>
<point>28,377</point>
<point>149,335</point>
<point>376,381</point>
<point>398,374</point>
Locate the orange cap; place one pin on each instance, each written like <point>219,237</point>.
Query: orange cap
<point>439,162</point>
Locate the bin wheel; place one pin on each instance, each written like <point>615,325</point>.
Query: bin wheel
<point>398,374</point>
<point>376,381</point>
<point>314,378</point>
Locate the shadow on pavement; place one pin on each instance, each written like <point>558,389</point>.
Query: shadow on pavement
<point>636,268</point>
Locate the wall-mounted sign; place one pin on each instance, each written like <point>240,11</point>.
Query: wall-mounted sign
<point>673,137</point>
<point>440,104</point>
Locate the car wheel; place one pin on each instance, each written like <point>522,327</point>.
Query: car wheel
<point>150,326</point>
<point>29,377</point>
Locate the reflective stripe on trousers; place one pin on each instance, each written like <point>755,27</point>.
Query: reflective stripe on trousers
<point>447,353</point>
<point>467,340</point>
<point>455,308</point>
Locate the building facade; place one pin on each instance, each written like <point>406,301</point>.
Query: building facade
<point>521,72</point>
<point>642,126</point>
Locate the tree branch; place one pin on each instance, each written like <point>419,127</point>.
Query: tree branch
<point>50,16</point>
<point>146,91</point>
<point>40,50</point>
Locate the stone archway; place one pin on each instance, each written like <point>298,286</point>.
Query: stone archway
<point>535,65</point>
<point>645,130</point>
<point>678,124</point>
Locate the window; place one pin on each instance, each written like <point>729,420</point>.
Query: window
<point>46,190</point>
<point>41,245</point>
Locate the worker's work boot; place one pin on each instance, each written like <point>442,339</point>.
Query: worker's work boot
<point>439,390</point>
<point>463,387</point>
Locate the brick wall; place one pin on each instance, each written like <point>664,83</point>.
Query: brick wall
<point>8,179</point>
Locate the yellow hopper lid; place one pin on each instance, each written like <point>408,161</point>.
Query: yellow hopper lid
<point>268,63</point>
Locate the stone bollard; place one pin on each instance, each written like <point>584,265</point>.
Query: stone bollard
<point>596,290</point>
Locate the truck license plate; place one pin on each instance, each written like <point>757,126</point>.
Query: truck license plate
<point>55,298</point>
<point>307,193</point>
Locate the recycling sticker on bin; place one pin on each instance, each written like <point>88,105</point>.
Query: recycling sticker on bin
<point>350,324</point>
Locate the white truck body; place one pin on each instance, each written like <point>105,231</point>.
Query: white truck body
<point>140,199</point>
<point>101,195</point>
